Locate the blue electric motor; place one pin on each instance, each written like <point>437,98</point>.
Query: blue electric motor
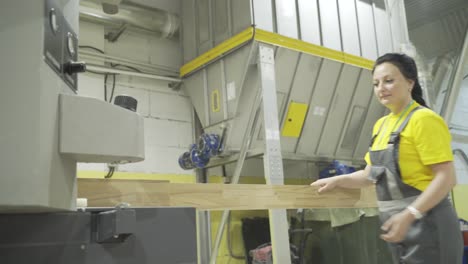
<point>199,155</point>
<point>336,168</point>
<point>209,145</point>
<point>185,161</point>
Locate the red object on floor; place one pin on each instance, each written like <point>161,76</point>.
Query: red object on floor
<point>465,238</point>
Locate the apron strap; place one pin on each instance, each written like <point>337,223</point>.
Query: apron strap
<point>394,136</point>
<point>378,132</point>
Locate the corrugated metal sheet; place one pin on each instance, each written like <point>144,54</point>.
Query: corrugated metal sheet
<point>358,27</point>
<point>421,12</point>
<point>436,27</point>
<point>441,35</point>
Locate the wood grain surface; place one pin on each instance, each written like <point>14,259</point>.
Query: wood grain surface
<point>147,193</point>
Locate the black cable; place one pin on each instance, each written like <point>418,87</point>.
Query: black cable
<point>116,65</point>
<point>105,86</point>
<point>95,49</point>
<point>113,88</point>
<point>125,66</point>
<point>106,75</point>
<point>110,173</point>
<point>91,47</point>
<point>95,72</point>
<point>112,65</point>
<point>223,169</point>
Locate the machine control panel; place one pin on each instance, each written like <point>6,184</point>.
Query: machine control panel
<point>61,45</point>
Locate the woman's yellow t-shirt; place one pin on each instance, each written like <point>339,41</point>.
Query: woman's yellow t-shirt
<point>424,141</point>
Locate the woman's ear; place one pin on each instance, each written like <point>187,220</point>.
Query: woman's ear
<point>410,84</point>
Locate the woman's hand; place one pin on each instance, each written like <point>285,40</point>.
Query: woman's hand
<point>357,179</point>
<point>397,226</point>
<point>327,184</point>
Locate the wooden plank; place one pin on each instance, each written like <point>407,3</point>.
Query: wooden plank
<point>145,193</point>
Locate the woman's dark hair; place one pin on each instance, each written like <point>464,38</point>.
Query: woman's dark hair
<point>408,68</point>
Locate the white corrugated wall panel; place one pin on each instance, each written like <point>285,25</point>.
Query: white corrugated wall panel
<point>202,11</point>
<point>349,27</point>
<point>309,21</point>
<point>382,25</point>
<point>240,15</point>
<point>263,14</point>
<point>329,22</point>
<point>221,20</point>
<point>286,18</point>
<point>189,29</point>
<point>366,29</point>
<point>399,30</point>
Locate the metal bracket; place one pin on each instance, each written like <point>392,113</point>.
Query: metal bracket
<point>115,226</point>
<point>113,36</point>
<point>61,45</point>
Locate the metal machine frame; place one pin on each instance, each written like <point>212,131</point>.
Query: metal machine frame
<point>100,235</point>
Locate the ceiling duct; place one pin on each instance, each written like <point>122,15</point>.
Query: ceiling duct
<point>131,15</point>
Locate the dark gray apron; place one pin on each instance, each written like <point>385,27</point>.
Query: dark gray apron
<point>434,239</point>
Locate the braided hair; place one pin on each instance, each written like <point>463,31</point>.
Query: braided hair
<point>407,67</point>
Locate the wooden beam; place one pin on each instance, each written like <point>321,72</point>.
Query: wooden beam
<point>146,193</point>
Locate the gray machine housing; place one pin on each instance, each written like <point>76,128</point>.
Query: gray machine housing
<point>46,127</point>
<point>46,130</point>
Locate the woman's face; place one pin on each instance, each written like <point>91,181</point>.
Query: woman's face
<point>391,88</point>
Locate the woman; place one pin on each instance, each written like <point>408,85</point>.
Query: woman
<point>410,162</point>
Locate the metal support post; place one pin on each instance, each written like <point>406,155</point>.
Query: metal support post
<point>203,217</point>
<point>203,236</point>
<point>272,160</point>
<point>203,226</point>
<point>254,113</point>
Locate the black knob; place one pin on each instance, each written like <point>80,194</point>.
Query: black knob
<point>126,102</point>
<point>74,67</point>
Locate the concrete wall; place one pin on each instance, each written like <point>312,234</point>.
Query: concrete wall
<point>167,113</point>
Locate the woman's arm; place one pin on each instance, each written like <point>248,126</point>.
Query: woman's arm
<point>356,179</point>
<point>444,180</point>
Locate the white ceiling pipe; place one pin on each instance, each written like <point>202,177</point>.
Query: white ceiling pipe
<point>129,62</point>
<point>103,69</point>
<point>151,19</point>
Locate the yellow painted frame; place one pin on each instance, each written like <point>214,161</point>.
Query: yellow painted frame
<point>275,39</point>
<point>460,196</point>
<point>223,48</point>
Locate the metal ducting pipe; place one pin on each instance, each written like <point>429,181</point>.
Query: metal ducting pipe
<point>133,15</point>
